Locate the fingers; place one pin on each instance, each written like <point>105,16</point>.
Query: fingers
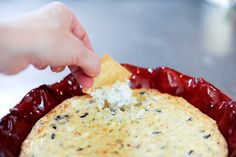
<point>53,69</point>
<point>80,56</point>
<point>69,20</point>
<point>86,42</point>
<point>89,62</point>
<point>41,67</point>
<point>80,33</point>
<point>81,77</point>
<point>66,42</point>
<point>68,50</point>
<point>58,69</point>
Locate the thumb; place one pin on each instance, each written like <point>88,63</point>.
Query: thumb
<point>84,58</point>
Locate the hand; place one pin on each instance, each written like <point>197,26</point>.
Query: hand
<point>50,36</point>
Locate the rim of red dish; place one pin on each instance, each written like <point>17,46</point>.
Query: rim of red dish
<point>15,126</point>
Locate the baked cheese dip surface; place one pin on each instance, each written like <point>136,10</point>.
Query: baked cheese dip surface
<point>155,125</point>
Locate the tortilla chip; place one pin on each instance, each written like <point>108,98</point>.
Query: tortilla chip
<point>111,71</point>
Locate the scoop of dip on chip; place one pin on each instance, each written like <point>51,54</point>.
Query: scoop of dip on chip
<point>111,87</point>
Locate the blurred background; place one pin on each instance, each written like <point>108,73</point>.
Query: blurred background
<point>196,37</point>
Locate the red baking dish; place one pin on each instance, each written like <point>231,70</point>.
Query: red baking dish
<point>15,126</point>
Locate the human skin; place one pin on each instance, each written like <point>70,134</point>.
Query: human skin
<point>50,36</point>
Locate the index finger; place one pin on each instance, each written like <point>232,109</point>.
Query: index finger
<point>79,31</point>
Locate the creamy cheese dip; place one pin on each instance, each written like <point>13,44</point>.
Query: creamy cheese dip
<point>117,95</point>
